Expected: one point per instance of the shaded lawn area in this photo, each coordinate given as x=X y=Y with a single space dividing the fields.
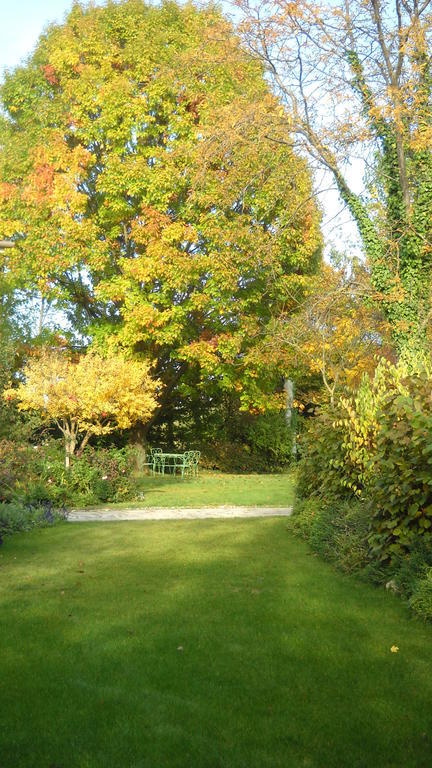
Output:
x=202 y=644
x=212 y=489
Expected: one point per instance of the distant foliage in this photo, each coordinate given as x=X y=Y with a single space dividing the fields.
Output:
x=245 y=443
x=329 y=338
x=272 y=438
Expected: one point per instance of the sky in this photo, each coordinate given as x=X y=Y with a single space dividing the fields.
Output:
x=21 y=23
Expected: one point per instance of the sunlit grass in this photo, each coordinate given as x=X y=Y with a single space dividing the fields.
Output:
x=202 y=644
x=212 y=489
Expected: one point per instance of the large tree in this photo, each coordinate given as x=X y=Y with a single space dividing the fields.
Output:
x=142 y=195
x=356 y=79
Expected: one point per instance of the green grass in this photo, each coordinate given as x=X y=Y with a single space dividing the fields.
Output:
x=202 y=644
x=210 y=489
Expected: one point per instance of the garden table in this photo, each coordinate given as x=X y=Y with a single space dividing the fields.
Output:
x=162 y=461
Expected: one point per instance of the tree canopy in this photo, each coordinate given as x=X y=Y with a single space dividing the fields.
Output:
x=144 y=196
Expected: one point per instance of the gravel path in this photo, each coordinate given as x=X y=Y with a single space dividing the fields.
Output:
x=159 y=513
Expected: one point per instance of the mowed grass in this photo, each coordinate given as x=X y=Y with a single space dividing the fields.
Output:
x=203 y=644
x=212 y=489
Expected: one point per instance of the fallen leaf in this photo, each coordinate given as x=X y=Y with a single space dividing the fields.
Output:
x=394 y=649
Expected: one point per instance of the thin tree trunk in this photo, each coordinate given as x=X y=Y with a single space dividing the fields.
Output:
x=70 y=444
x=84 y=442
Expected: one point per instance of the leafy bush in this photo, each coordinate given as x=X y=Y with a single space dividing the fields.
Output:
x=100 y=475
x=410 y=567
x=270 y=437
x=336 y=531
x=304 y=515
x=226 y=456
x=377 y=445
x=401 y=488
x=15 y=464
x=421 y=600
x=322 y=453
x=339 y=444
x=365 y=482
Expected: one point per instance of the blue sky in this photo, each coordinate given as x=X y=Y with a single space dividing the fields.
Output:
x=21 y=22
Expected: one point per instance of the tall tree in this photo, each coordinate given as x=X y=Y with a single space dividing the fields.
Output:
x=356 y=78
x=143 y=195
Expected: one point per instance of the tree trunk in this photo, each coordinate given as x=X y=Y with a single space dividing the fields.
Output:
x=138 y=442
x=70 y=445
x=84 y=442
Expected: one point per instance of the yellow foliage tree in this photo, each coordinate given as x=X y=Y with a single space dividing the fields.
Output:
x=91 y=396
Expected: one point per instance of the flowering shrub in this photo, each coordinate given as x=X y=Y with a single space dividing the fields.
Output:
x=100 y=475
x=17 y=516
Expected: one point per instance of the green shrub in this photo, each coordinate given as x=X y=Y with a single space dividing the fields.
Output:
x=337 y=531
x=225 y=456
x=377 y=445
x=366 y=482
x=421 y=600
x=99 y=475
x=16 y=516
x=15 y=466
x=338 y=446
x=304 y=514
x=322 y=454
x=32 y=492
x=271 y=438
x=411 y=566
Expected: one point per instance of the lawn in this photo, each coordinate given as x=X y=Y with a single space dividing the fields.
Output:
x=213 y=488
x=203 y=644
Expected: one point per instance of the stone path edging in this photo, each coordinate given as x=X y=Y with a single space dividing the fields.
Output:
x=160 y=513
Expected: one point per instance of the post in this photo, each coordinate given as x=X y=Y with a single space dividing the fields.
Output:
x=289 y=412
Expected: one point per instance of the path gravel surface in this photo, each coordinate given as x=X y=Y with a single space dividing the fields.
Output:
x=160 y=513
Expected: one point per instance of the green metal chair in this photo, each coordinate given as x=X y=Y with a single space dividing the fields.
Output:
x=148 y=458
x=158 y=461
x=185 y=463
x=196 y=455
